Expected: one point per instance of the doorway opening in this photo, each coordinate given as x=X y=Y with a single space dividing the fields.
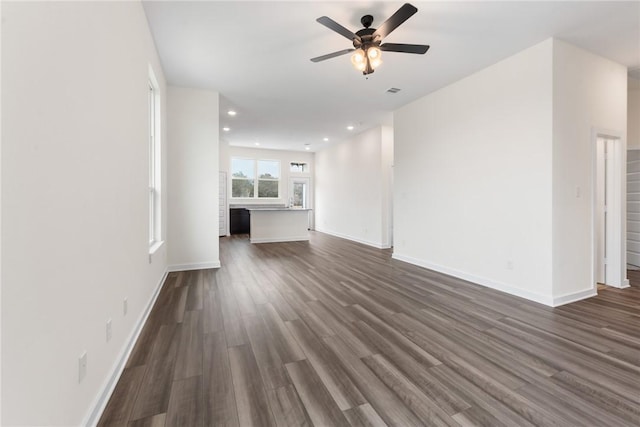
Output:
x=609 y=239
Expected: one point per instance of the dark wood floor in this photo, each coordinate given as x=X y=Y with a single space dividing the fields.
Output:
x=333 y=333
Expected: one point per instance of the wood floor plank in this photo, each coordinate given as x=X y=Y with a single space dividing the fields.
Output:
x=600 y=397
x=478 y=399
x=419 y=374
x=141 y=352
x=392 y=340
x=364 y=416
x=189 y=352
x=186 y=404
x=167 y=342
x=245 y=302
x=154 y=392
x=251 y=399
x=119 y=408
x=212 y=312
x=196 y=292
x=287 y=408
x=158 y=420
x=342 y=327
x=382 y=399
x=285 y=344
x=267 y=357
x=322 y=409
x=418 y=402
x=327 y=367
x=220 y=402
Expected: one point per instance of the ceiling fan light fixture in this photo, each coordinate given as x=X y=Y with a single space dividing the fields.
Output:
x=374 y=53
x=358 y=59
x=375 y=63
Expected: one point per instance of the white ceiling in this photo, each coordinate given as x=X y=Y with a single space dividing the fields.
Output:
x=256 y=55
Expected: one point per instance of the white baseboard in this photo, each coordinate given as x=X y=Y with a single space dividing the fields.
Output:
x=354 y=239
x=194 y=266
x=289 y=239
x=573 y=297
x=531 y=296
x=100 y=402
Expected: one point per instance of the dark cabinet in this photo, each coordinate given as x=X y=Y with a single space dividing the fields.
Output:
x=239 y=221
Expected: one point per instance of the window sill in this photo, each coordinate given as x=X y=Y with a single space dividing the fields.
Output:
x=154 y=248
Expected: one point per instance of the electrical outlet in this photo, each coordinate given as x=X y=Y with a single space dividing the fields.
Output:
x=82 y=367
x=108 y=330
x=125 y=306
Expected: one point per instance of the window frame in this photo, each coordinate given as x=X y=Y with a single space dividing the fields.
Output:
x=155 y=163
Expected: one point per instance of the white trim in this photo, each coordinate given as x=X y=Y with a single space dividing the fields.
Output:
x=155 y=246
x=280 y=240
x=194 y=266
x=542 y=299
x=101 y=400
x=354 y=239
x=573 y=297
x=625 y=284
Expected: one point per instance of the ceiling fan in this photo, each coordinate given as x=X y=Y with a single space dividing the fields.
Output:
x=367 y=42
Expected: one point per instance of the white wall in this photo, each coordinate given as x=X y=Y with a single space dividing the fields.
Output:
x=472 y=177
x=353 y=185
x=74 y=201
x=633 y=114
x=193 y=178
x=589 y=93
x=285 y=157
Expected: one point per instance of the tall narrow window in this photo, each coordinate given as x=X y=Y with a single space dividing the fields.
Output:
x=154 y=163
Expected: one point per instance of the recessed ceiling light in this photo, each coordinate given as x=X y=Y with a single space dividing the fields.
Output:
x=226 y=129
x=325 y=139
x=231 y=113
x=257 y=143
x=349 y=127
x=307 y=148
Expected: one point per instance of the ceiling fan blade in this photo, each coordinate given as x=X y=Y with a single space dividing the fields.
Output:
x=401 y=15
x=333 y=25
x=406 y=48
x=331 y=55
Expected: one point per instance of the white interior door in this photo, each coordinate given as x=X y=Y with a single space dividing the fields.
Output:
x=609 y=263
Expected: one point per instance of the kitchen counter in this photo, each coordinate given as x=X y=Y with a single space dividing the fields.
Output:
x=278 y=224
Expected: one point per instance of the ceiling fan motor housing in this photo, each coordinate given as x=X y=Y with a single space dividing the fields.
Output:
x=366 y=39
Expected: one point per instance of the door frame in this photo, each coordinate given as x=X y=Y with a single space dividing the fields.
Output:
x=616 y=211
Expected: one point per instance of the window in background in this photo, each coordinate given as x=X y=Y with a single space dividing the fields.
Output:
x=299 y=167
x=242 y=177
x=268 y=178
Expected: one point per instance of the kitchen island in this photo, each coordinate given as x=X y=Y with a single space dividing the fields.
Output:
x=278 y=224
